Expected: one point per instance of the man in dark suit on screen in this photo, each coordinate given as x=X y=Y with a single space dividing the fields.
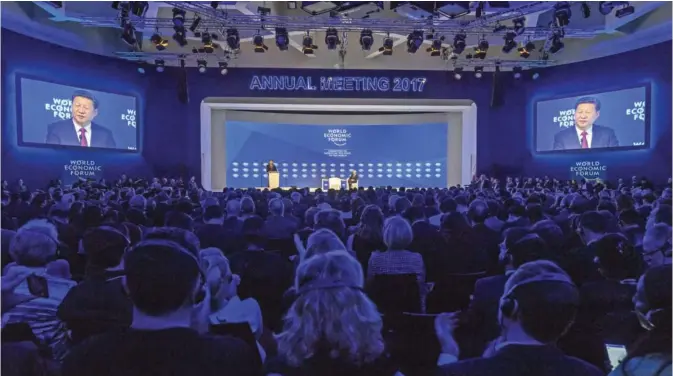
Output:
x=80 y=130
x=585 y=134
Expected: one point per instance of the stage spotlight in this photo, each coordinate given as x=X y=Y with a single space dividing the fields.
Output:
x=223 y=67
x=282 y=38
x=139 y=8
x=160 y=65
x=510 y=43
x=159 y=42
x=387 y=47
x=517 y=72
x=458 y=73
x=233 y=40
x=195 y=24
x=202 y=64
x=459 y=43
x=436 y=48
x=586 y=9
x=525 y=50
x=258 y=43
x=478 y=72
x=535 y=76
x=366 y=39
x=307 y=46
x=129 y=35
x=605 y=7
x=562 y=13
x=178 y=17
x=519 y=25
x=625 y=11
x=481 y=49
x=332 y=38
x=180 y=35
x=208 y=46
x=556 y=44
x=414 y=41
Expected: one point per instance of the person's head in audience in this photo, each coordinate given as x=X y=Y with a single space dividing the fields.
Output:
x=371 y=224
x=652 y=303
x=551 y=233
x=616 y=258
x=448 y=205
x=660 y=214
x=104 y=248
x=591 y=227
x=418 y=200
x=185 y=239
x=162 y=280
x=287 y=207
x=402 y=204
x=138 y=202
x=309 y=216
x=657 y=245
x=179 y=219
x=247 y=206
x=213 y=215
x=397 y=233
x=322 y=241
x=252 y=232
x=233 y=208
x=539 y=304
x=331 y=220
x=455 y=226
x=415 y=214
x=509 y=237
x=35 y=244
x=276 y=207
x=478 y=212
x=219 y=277
x=528 y=248
x=332 y=317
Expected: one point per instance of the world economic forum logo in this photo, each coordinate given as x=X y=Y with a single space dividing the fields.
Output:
x=338 y=137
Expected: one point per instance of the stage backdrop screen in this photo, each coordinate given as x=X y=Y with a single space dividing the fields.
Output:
x=396 y=155
x=59 y=116
x=609 y=120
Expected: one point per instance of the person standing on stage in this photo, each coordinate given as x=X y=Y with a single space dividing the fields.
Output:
x=352 y=179
x=271 y=167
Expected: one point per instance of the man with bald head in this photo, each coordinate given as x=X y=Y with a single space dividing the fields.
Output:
x=277 y=226
x=484 y=237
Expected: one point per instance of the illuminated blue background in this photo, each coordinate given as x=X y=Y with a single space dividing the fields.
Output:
x=170 y=142
x=420 y=149
x=613 y=114
x=35 y=117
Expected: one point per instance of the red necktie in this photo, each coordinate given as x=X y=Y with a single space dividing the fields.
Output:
x=82 y=138
x=585 y=143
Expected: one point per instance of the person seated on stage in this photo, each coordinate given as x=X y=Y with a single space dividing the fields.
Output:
x=352 y=179
x=270 y=167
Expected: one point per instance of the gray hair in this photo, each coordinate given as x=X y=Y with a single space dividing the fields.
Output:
x=397 y=233
x=34 y=244
x=276 y=207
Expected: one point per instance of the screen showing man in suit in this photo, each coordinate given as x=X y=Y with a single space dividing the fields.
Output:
x=614 y=120
x=65 y=116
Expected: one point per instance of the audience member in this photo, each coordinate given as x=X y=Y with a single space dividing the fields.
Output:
x=396 y=259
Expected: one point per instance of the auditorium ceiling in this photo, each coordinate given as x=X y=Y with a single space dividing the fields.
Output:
x=93 y=27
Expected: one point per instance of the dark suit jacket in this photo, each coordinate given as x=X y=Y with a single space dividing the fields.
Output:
x=482 y=314
x=279 y=227
x=521 y=360
x=271 y=168
x=602 y=137
x=63 y=133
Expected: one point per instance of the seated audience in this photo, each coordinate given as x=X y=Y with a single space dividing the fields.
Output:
x=332 y=328
x=33 y=246
x=650 y=355
x=163 y=280
x=277 y=226
x=368 y=236
x=396 y=259
x=657 y=245
x=537 y=307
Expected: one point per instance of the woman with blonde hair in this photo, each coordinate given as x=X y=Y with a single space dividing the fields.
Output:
x=332 y=328
x=322 y=241
x=226 y=306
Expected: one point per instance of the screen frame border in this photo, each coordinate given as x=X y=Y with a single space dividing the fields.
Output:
x=648 y=109
x=19 y=116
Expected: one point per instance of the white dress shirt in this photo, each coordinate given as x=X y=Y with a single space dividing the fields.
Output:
x=87 y=134
x=589 y=135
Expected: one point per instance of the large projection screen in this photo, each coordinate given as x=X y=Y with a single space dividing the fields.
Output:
x=459 y=135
